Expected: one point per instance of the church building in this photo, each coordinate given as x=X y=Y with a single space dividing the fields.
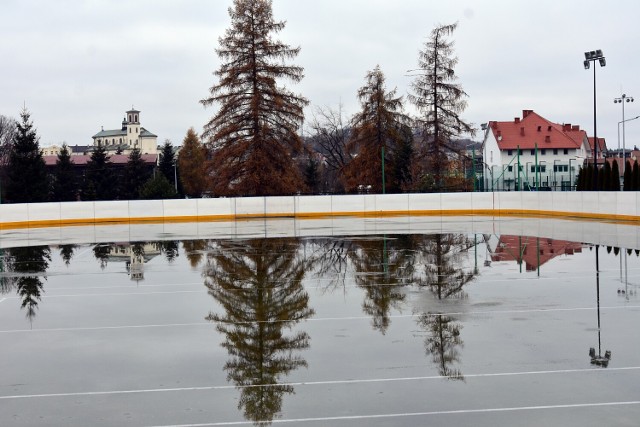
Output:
x=131 y=135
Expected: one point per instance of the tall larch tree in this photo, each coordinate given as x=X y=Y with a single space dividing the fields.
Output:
x=439 y=101
x=26 y=173
x=375 y=135
x=254 y=133
x=192 y=165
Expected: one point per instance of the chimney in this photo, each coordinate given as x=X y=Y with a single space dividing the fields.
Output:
x=566 y=127
x=575 y=127
x=525 y=113
x=522 y=131
x=517 y=120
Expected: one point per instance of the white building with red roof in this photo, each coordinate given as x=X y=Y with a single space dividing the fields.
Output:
x=549 y=154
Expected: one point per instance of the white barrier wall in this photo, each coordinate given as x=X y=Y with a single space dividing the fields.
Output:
x=595 y=205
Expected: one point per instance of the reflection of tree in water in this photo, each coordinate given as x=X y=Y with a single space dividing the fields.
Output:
x=101 y=253
x=259 y=285
x=169 y=248
x=194 y=251
x=442 y=255
x=445 y=275
x=66 y=253
x=443 y=343
x=27 y=265
x=382 y=267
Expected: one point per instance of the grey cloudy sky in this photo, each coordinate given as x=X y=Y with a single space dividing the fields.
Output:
x=79 y=65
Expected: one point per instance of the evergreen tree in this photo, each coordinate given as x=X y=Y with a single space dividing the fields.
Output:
x=375 y=134
x=254 y=133
x=26 y=173
x=134 y=177
x=604 y=182
x=192 y=165
x=601 y=174
x=635 y=177
x=628 y=174
x=402 y=161
x=439 y=101
x=615 y=176
x=311 y=174
x=98 y=179
x=158 y=187
x=580 y=179
x=588 y=179
x=65 y=184
x=167 y=162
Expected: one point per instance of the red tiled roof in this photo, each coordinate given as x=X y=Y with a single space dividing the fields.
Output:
x=534 y=129
x=117 y=159
x=533 y=251
x=602 y=145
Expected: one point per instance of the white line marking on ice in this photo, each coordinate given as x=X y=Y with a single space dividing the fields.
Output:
x=413 y=414
x=312 y=383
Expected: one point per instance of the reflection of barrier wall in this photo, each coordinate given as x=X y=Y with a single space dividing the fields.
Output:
x=619 y=206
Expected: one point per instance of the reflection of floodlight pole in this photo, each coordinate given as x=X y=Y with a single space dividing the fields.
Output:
x=599 y=359
x=593 y=56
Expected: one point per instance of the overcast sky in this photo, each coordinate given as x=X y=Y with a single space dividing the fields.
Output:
x=79 y=65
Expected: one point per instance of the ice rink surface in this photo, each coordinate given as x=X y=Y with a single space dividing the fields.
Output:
x=371 y=329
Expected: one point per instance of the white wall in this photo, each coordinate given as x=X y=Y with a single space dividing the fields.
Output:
x=593 y=205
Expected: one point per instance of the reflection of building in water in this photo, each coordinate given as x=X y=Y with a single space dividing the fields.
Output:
x=532 y=251
x=135 y=256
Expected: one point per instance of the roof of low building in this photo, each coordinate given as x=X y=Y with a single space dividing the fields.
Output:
x=116 y=159
x=122 y=132
x=533 y=129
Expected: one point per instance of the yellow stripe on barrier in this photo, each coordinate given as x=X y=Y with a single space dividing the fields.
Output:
x=317 y=215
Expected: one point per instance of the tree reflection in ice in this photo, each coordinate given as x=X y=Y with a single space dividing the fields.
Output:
x=259 y=285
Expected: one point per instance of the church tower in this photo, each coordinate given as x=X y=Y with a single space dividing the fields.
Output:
x=133 y=128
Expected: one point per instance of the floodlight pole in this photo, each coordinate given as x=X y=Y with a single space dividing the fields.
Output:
x=594 y=56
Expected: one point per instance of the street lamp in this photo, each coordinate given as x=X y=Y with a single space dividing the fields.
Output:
x=593 y=56
x=624 y=98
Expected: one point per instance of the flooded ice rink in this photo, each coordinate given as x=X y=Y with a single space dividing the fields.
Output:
x=396 y=322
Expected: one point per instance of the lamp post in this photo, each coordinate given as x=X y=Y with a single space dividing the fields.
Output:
x=624 y=151
x=593 y=56
x=624 y=98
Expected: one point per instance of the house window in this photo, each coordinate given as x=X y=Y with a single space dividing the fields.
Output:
x=510 y=169
x=543 y=151
x=533 y=152
x=555 y=151
x=491 y=156
x=509 y=152
x=566 y=151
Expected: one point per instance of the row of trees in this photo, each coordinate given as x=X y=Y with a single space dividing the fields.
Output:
x=253 y=139
x=24 y=177
x=608 y=177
